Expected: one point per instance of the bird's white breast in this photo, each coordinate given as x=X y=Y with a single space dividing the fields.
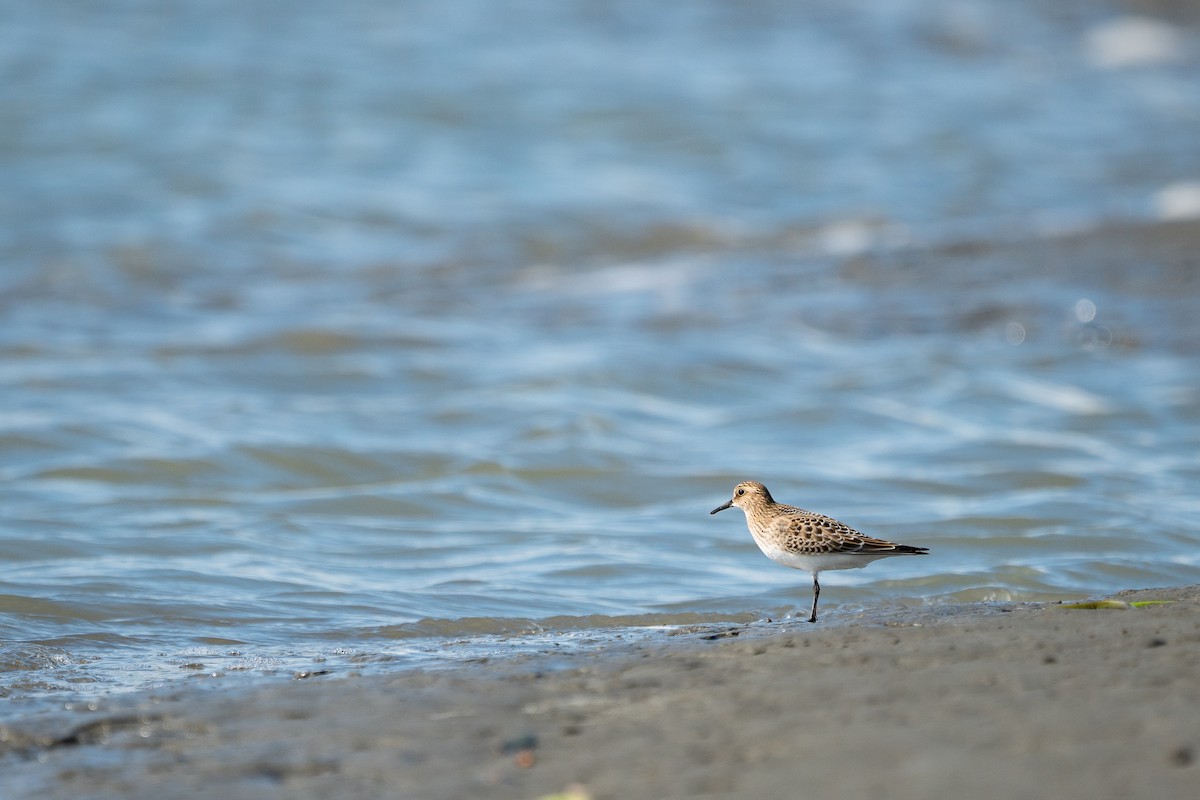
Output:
x=814 y=562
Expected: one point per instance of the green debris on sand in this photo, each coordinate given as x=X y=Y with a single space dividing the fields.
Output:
x=1116 y=604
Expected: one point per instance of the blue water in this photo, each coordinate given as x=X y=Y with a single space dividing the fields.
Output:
x=363 y=335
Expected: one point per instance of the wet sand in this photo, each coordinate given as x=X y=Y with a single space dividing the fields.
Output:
x=982 y=700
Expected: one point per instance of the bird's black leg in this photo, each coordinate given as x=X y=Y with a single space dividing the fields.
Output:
x=816 y=594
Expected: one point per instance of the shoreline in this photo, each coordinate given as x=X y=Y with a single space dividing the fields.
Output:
x=986 y=700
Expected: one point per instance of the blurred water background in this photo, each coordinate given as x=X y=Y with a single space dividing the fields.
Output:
x=348 y=335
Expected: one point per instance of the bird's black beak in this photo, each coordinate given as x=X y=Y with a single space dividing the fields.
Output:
x=721 y=508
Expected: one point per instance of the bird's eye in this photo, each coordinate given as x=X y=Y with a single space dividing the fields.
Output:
x=741 y=492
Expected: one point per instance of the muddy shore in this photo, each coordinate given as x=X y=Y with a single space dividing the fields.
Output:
x=980 y=700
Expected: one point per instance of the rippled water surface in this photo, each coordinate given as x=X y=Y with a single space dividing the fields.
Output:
x=359 y=335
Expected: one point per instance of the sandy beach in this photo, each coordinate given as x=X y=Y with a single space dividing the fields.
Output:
x=980 y=700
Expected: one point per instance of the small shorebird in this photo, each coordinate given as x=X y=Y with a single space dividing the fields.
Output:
x=803 y=540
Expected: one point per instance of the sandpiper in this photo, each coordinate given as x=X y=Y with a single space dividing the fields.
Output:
x=803 y=540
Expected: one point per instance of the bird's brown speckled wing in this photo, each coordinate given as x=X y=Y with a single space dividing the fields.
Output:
x=800 y=531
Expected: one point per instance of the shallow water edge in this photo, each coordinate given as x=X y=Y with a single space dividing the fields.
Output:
x=535 y=725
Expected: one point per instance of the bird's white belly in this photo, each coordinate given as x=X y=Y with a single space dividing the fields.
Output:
x=815 y=562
